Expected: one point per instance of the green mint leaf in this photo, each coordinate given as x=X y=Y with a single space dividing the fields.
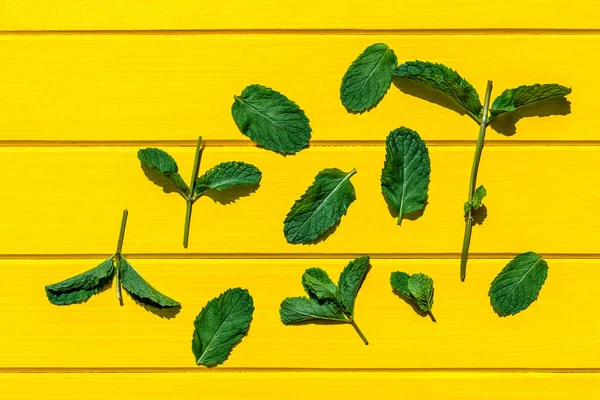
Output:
x=524 y=95
x=405 y=174
x=518 y=284
x=350 y=281
x=320 y=207
x=299 y=309
x=368 y=78
x=318 y=285
x=162 y=162
x=271 y=119
x=478 y=196
x=420 y=287
x=220 y=325
x=141 y=290
x=443 y=79
x=227 y=175
x=399 y=281
x=83 y=286
x=417 y=288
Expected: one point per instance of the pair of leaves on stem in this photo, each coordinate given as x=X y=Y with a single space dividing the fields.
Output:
x=220 y=325
x=81 y=287
x=327 y=301
x=518 y=284
x=271 y=119
x=223 y=176
x=417 y=288
x=370 y=75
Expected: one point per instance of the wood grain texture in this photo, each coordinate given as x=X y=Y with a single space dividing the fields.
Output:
x=295 y=14
x=294 y=385
x=175 y=87
x=558 y=331
x=69 y=201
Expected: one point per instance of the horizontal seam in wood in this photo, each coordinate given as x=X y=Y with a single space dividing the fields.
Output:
x=301 y=31
x=292 y=256
x=295 y=370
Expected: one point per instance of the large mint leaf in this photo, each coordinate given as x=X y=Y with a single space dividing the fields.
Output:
x=368 y=77
x=141 y=290
x=443 y=79
x=320 y=207
x=511 y=99
x=318 y=285
x=220 y=325
x=271 y=119
x=518 y=284
x=350 y=281
x=405 y=174
x=299 y=309
x=227 y=175
x=162 y=162
x=83 y=286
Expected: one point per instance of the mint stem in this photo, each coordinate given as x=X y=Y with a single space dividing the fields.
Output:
x=472 y=184
x=353 y=323
x=190 y=199
x=118 y=254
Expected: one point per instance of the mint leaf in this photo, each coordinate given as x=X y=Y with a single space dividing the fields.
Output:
x=418 y=288
x=141 y=290
x=323 y=204
x=318 y=285
x=227 y=175
x=327 y=301
x=511 y=99
x=518 y=284
x=350 y=281
x=220 y=325
x=368 y=77
x=161 y=162
x=83 y=286
x=271 y=119
x=445 y=80
x=405 y=174
x=299 y=309
x=478 y=196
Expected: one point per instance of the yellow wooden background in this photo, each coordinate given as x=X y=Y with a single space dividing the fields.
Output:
x=84 y=84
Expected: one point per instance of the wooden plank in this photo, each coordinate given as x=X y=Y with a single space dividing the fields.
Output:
x=559 y=331
x=295 y=385
x=174 y=87
x=69 y=201
x=295 y=14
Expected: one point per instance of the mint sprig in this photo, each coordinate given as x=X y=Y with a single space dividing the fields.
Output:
x=223 y=176
x=81 y=287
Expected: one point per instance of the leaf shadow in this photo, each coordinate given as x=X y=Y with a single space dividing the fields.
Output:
x=428 y=94
x=159 y=179
x=414 y=306
x=410 y=216
x=505 y=124
x=162 y=312
x=231 y=195
x=480 y=215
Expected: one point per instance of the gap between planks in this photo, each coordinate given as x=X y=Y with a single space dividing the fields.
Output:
x=333 y=31
x=218 y=370
x=313 y=143
x=294 y=256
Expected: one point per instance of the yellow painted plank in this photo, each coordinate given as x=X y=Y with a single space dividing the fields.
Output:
x=294 y=385
x=174 y=87
x=295 y=14
x=69 y=201
x=560 y=330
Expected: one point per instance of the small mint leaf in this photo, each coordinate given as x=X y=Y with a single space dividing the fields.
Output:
x=140 y=289
x=318 y=285
x=162 y=162
x=511 y=99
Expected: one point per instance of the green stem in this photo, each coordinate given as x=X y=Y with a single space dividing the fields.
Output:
x=118 y=254
x=353 y=323
x=190 y=199
x=473 y=182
